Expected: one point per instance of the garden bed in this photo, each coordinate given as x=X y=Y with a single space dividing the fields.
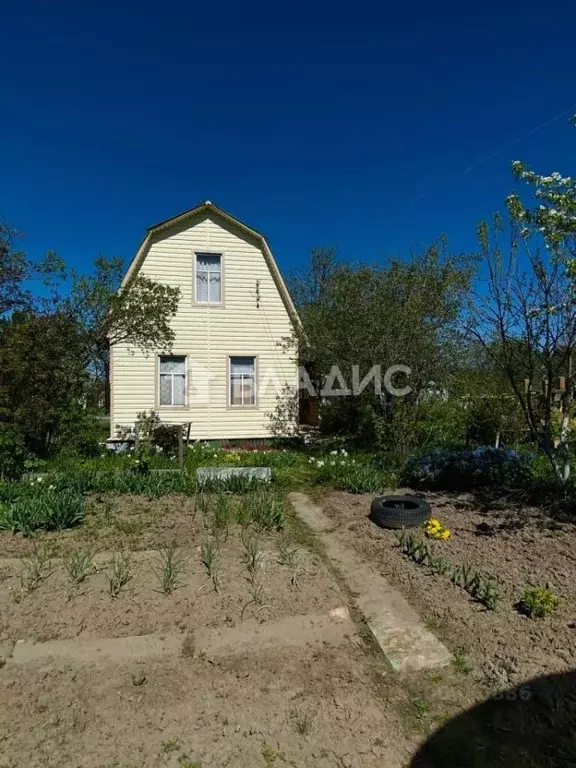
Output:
x=294 y=579
x=513 y=546
x=307 y=698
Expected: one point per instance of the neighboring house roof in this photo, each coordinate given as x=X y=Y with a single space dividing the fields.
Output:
x=208 y=207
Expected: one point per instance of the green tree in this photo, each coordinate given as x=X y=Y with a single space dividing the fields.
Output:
x=524 y=311
x=137 y=313
x=57 y=329
x=17 y=273
x=42 y=376
x=395 y=313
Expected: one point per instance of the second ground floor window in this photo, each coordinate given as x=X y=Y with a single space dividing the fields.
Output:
x=172 y=385
x=242 y=381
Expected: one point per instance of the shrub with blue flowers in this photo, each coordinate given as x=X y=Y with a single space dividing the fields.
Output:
x=484 y=467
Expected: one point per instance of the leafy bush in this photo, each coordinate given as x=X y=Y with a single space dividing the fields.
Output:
x=464 y=470
x=148 y=422
x=140 y=465
x=82 y=432
x=13 y=453
x=166 y=437
x=434 y=421
x=538 y=602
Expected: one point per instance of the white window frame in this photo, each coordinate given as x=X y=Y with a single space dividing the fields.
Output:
x=197 y=255
x=172 y=376
x=254 y=376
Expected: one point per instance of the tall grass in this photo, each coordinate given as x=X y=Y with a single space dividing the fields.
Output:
x=263 y=509
x=345 y=474
x=52 y=510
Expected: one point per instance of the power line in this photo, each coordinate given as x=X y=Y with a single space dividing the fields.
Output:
x=492 y=155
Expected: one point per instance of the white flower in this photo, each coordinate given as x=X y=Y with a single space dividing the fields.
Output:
x=332 y=463
x=343 y=452
x=51 y=487
x=333 y=453
x=38 y=479
x=320 y=462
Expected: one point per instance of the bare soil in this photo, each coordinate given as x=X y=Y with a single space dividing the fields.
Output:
x=327 y=703
x=57 y=609
x=304 y=708
x=516 y=546
x=318 y=705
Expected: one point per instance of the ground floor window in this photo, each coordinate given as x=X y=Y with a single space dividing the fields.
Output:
x=242 y=381
x=172 y=385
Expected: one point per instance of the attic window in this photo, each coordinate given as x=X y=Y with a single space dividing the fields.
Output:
x=208 y=278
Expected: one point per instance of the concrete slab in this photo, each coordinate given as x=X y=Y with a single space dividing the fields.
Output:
x=224 y=473
x=89 y=650
x=292 y=631
x=247 y=637
x=406 y=643
x=310 y=513
x=6 y=648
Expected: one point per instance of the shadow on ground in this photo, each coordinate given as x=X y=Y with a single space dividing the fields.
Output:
x=546 y=508
x=533 y=726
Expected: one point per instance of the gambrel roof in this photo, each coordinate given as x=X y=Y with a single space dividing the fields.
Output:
x=208 y=207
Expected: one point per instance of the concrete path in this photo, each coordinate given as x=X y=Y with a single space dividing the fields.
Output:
x=403 y=638
x=312 y=630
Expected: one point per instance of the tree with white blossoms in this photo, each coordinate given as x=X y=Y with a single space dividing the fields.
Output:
x=524 y=310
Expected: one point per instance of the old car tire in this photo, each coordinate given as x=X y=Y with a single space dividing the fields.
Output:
x=399 y=511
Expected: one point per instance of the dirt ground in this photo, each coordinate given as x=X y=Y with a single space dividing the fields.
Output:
x=286 y=707
x=318 y=704
x=56 y=609
x=312 y=698
x=515 y=546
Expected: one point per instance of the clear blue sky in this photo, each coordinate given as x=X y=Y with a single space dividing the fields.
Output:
x=316 y=123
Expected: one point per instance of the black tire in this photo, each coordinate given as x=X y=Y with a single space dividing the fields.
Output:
x=399 y=511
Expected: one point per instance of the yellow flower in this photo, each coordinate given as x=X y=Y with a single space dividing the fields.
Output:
x=436 y=530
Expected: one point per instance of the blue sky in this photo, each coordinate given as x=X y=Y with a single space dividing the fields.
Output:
x=316 y=123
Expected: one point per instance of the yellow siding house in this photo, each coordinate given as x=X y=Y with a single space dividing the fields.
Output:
x=227 y=364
